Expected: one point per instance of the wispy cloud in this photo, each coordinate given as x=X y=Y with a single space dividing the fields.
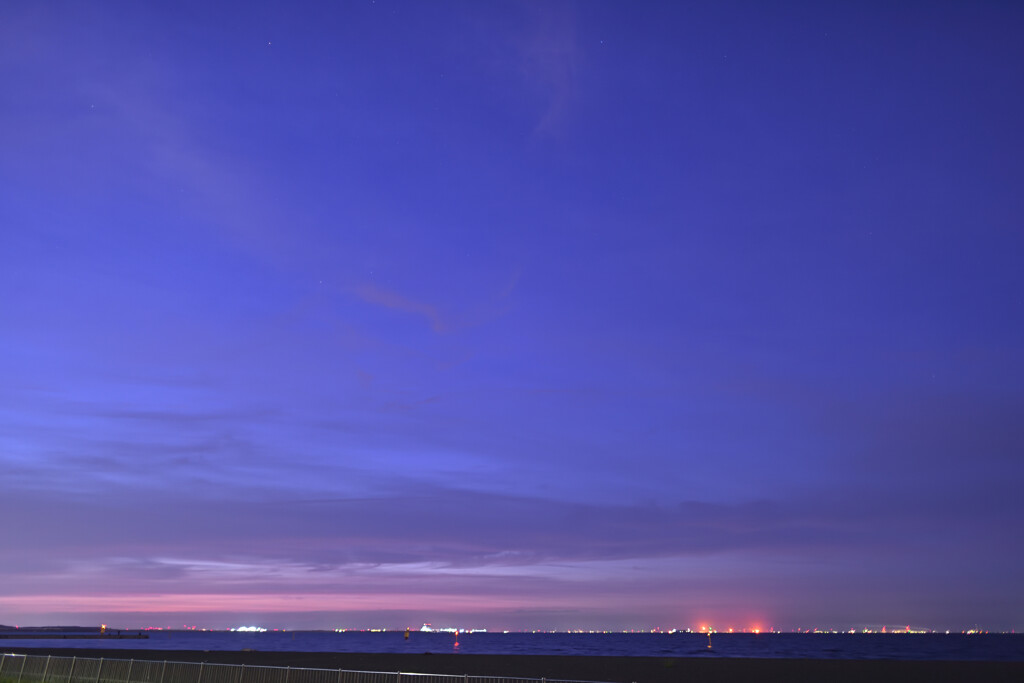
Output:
x=550 y=61
x=372 y=294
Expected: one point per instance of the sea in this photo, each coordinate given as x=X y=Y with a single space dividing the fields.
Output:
x=900 y=646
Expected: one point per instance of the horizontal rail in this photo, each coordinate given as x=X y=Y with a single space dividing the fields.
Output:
x=20 y=668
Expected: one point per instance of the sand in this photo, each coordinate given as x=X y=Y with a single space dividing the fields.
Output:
x=615 y=669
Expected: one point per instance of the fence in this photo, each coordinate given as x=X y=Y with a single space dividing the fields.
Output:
x=16 y=668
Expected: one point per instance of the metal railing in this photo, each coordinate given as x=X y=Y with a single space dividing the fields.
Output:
x=18 y=668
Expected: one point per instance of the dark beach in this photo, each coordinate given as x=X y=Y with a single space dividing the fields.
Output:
x=613 y=669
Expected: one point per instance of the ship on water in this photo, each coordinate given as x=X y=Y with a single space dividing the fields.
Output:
x=427 y=628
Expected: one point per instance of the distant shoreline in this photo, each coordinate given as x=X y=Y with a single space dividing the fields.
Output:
x=610 y=668
x=46 y=635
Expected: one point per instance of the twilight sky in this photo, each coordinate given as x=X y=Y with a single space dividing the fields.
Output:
x=512 y=315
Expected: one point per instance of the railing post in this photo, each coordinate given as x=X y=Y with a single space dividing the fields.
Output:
x=128 y=678
x=46 y=668
x=339 y=675
x=287 y=673
x=71 y=674
x=241 y=673
x=163 y=670
x=22 y=670
x=99 y=671
x=200 y=679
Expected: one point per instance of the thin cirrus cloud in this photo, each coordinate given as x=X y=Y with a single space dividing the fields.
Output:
x=443 y=542
x=374 y=295
x=427 y=524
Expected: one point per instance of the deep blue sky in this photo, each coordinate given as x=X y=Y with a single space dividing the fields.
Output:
x=537 y=315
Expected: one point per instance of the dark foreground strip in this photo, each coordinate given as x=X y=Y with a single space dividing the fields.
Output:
x=619 y=669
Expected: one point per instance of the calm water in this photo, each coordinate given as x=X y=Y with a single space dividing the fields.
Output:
x=994 y=647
